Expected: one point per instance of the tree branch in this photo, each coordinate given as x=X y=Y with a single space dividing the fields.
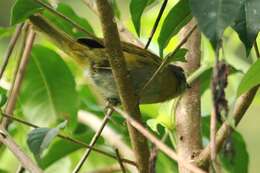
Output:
x=128 y=98
x=159 y=144
x=188 y=114
x=26 y=161
x=10 y=49
x=240 y=108
x=11 y=102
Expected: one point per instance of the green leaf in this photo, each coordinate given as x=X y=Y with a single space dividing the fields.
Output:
x=250 y=79
x=215 y=16
x=237 y=159
x=34 y=140
x=178 y=56
x=40 y=138
x=88 y=100
x=115 y=8
x=22 y=9
x=246 y=24
x=65 y=25
x=166 y=164
x=48 y=90
x=178 y=17
x=153 y=124
x=3 y=171
x=6 y=32
x=136 y=9
x=61 y=148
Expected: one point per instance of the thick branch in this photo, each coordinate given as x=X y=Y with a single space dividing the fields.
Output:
x=26 y=161
x=128 y=98
x=188 y=112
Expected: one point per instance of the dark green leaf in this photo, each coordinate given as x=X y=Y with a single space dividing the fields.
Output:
x=178 y=17
x=236 y=160
x=250 y=79
x=65 y=25
x=34 y=140
x=215 y=16
x=3 y=171
x=178 y=56
x=40 y=138
x=48 y=90
x=136 y=9
x=22 y=9
x=247 y=25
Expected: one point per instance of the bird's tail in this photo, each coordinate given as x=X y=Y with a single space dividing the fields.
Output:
x=60 y=38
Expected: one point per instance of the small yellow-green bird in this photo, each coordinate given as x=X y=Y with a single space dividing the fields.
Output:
x=141 y=64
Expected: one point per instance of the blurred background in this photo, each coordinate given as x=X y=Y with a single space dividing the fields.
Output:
x=249 y=126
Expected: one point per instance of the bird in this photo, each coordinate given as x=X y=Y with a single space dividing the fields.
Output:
x=141 y=64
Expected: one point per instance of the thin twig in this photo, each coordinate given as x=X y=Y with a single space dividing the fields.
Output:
x=125 y=34
x=256 y=50
x=164 y=148
x=213 y=131
x=183 y=41
x=51 y=9
x=156 y=23
x=93 y=141
x=241 y=106
x=72 y=140
x=154 y=154
x=120 y=161
x=10 y=49
x=25 y=160
x=11 y=102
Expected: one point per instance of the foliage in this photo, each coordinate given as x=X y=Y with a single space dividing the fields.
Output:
x=53 y=91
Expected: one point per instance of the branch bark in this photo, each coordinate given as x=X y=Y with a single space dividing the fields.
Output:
x=128 y=98
x=11 y=102
x=26 y=161
x=188 y=112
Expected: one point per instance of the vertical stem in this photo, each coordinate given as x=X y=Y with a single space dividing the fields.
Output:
x=124 y=85
x=18 y=78
x=189 y=141
x=10 y=49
